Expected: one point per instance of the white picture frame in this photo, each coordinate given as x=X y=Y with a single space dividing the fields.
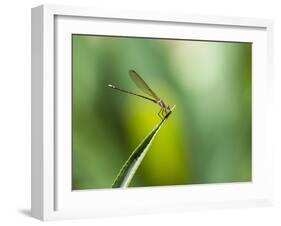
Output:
x=52 y=197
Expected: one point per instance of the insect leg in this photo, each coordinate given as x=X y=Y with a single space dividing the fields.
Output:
x=163 y=112
x=159 y=113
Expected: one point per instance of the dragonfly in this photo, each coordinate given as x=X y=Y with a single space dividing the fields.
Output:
x=142 y=85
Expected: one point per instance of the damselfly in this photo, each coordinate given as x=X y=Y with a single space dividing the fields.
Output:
x=141 y=84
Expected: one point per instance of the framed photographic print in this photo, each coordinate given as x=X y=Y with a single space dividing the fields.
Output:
x=136 y=112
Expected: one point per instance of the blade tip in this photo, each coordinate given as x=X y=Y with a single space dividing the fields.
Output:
x=111 y=86
x=173 y=107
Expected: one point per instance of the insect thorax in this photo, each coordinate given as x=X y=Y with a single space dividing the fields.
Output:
x=162 y=104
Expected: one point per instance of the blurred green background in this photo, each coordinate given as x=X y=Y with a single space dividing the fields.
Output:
x=207 y=139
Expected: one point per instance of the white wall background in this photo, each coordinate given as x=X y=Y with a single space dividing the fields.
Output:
x=15 y=112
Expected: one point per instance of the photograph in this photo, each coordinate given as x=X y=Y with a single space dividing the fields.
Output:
x=152 y=111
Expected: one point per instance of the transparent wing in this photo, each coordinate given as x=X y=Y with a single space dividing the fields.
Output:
x=141 y=84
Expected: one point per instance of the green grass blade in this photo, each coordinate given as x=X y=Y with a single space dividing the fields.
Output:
x=130 y=167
